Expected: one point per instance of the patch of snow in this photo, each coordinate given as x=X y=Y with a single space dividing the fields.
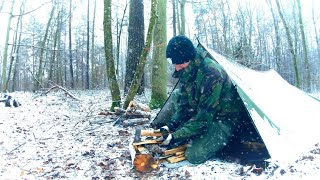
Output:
x=57 y=137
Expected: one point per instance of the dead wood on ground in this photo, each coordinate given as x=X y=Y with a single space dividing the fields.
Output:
x=63 y=89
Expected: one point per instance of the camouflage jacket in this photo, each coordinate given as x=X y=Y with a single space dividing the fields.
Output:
x=205 y=93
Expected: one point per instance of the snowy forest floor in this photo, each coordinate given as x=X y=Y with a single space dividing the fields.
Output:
x=56 y=137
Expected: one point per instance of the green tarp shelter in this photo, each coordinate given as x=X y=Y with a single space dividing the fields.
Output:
x=287 y=119
x=281 y=117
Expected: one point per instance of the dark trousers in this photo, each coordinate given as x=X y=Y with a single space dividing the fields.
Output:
x=212 y=140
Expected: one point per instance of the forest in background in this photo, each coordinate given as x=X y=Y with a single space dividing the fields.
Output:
x=90 y=44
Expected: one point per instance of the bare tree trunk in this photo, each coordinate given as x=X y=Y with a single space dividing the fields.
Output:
x=135 y=42
x=93 y=78
x=291 y=47
x=119 y=32
x=70 y=46
x=59 y=59
x=278 y=39
x=305 y=51
x=143 y=58
x=38 y=81
x=15 y=81
x=82 y=64
x=1 y=6
x=183 y=17
x=159 y=63
x=174 y=17
x=108 y=48
x=178 y=16
x=53 y=57
x=316 y=33
x=88 y=49
x=55 y=48
x=225 y=27
x=5 y=55
x=14 y=49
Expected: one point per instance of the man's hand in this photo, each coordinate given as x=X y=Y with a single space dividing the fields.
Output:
x=163 y=130
x=166 y=137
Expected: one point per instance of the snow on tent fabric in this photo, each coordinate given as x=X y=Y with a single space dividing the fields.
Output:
x=281 y=117
x=286 y=118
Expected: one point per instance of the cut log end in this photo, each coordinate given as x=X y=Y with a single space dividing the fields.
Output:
x=145 y=163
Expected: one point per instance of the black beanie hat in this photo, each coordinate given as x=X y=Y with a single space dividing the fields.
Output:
x=180 y=49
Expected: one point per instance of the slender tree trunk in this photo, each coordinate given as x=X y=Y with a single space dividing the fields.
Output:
x=108 y=48
x=159 y=63
x=52 y=62
x=174 y=17
x=82 y=63
x=55 y=49
x=5 y=55
x=291 y=47
x=143 y=58
x=59 y=58
x=15 y=49
x=70 y=46
x=1 y=5
x=178 y=16
x=88 y=49
x=38 y=81
x=119 y=32
x=225 y=26
x=316 y=33
x=305 y=50
x=278 y=39
x=183 y=17
x=15 y=81
x=93 y=78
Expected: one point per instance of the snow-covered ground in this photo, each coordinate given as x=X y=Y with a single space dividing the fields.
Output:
x=57 y=137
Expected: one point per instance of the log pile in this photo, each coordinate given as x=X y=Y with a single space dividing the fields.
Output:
x=142 y=149
x=135 y=115
x=145 y=159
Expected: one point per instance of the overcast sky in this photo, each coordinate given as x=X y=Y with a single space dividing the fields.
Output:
x=80 y=9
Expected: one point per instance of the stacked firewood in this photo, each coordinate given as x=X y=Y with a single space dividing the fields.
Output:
x=135 y=114
x=147 y=153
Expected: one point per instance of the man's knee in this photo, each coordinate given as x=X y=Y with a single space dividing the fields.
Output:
x=197 y=155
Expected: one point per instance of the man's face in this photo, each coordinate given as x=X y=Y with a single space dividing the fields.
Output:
x=182 y=66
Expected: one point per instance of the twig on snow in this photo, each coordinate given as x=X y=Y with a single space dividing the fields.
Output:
x=16 y=147
x=63 y=89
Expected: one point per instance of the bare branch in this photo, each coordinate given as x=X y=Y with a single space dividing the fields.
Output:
x=32 y=10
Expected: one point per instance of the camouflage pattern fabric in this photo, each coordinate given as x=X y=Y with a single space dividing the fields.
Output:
x=207 y=108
